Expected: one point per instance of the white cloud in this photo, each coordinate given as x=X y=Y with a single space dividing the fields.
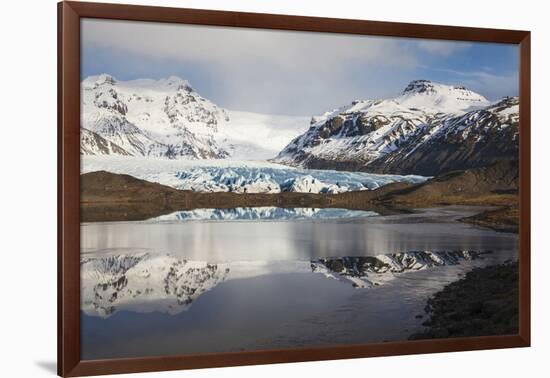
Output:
x=442 y=48
x=284 y=72
x=261 y=70
x=237 y=46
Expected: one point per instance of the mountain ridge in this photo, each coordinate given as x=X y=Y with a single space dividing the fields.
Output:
x=392 y=136
x=428 y=129
x=168 y=118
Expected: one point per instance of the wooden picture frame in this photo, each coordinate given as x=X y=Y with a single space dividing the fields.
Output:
x=69 y=16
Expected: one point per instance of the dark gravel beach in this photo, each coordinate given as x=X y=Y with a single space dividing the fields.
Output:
x=483 y=303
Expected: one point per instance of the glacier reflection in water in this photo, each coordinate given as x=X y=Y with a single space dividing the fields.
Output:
x=292 y=239
x=268 y=213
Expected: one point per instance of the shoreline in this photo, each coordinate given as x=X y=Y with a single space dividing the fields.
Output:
x=107 y=196
x=482 y=303
x=125 y=210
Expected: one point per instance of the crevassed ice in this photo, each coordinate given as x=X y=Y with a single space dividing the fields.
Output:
x=242 y=177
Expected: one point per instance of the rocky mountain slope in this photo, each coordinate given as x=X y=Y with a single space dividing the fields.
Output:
x=94 y=144
x=167 y=118
x=428 y=130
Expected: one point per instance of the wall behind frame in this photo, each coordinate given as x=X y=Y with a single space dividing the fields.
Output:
x=28 y=190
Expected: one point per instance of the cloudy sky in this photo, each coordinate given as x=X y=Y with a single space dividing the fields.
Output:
x=292 y=73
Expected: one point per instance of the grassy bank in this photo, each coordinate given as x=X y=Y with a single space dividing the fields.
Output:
x=503 y=219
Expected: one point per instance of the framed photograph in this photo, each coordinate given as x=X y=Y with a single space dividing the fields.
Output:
x=240 y=188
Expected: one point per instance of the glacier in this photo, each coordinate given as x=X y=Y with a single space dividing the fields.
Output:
x=240 y=176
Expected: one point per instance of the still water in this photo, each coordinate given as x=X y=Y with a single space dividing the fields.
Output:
x=213 y=280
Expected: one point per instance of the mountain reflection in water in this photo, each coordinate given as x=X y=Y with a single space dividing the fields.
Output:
x=163 y=283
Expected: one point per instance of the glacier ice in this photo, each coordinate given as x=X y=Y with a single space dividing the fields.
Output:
x=240 y=177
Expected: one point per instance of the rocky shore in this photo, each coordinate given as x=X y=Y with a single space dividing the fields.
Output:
x=483 y=303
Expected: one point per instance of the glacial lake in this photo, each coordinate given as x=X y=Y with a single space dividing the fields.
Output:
x=213 y=280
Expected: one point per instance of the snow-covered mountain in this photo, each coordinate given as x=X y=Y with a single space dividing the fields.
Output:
x=94 y=144
x=168 y=118
x=429 y=129
x=474 y=139
x=434 y=97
